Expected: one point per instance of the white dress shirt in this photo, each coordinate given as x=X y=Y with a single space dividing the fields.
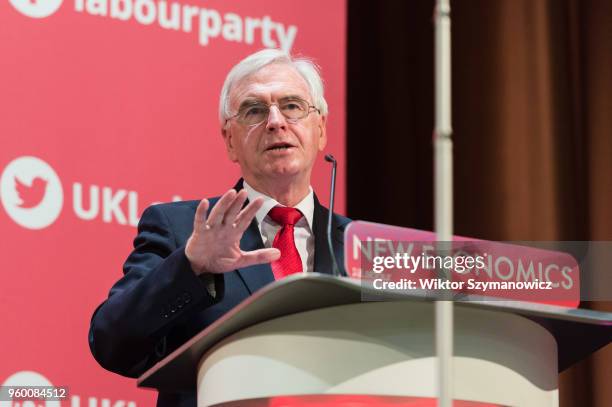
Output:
x=304 y=238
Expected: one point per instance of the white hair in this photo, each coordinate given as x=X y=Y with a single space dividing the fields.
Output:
x=254 y=62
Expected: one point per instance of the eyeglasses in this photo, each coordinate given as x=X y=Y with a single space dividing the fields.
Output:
x=252 y=113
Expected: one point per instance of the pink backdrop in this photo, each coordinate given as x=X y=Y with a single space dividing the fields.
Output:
x=119 y=110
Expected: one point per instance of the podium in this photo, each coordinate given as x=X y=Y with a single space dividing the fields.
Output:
x=312 y=334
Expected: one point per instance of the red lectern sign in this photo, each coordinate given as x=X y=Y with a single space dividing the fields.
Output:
x=404 y=260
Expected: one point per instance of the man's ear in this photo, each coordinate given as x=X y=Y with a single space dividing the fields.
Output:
x=322 y=132
x=229 y=145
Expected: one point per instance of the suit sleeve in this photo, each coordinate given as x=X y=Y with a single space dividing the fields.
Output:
x=158 y=289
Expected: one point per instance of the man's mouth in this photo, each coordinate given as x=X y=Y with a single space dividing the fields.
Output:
x=279 y=147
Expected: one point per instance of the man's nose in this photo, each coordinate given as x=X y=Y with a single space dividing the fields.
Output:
x=276 y=120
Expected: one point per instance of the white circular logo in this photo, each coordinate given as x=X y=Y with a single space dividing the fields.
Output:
x=28 y=378
x=36 y=8
x=31 y=192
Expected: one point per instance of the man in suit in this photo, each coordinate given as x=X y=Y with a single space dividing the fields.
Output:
x=194 y=261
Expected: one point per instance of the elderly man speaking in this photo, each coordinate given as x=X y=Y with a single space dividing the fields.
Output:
x=195 y=260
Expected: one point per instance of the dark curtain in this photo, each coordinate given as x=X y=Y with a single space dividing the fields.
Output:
x=532 y=119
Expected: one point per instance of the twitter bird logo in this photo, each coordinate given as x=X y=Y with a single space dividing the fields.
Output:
x=31 y=192
x=31 y=195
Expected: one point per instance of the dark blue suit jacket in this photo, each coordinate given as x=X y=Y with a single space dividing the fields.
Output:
x=160 y=303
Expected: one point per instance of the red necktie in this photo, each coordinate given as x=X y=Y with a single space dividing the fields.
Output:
x=290 y=261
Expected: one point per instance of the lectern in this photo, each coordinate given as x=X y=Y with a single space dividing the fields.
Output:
x=312 y=334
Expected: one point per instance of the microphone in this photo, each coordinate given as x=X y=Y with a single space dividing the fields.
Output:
x=332 y=193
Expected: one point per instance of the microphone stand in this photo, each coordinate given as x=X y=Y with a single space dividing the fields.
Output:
x=332 y=192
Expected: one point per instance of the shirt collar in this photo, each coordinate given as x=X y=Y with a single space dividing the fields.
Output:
x=306 y=205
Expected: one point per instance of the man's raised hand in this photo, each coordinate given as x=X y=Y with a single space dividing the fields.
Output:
x=214 y=245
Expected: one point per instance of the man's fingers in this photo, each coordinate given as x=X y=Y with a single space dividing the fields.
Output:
x=259 y=256
x=230 y=215
x=200 y=216
x=216 y=214
x=245 y=216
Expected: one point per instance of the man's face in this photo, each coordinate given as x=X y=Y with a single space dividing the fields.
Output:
x=256 y=148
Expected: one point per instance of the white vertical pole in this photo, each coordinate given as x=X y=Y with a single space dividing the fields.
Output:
x=443 y=191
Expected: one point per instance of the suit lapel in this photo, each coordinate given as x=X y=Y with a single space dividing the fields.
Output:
x=256 y=276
